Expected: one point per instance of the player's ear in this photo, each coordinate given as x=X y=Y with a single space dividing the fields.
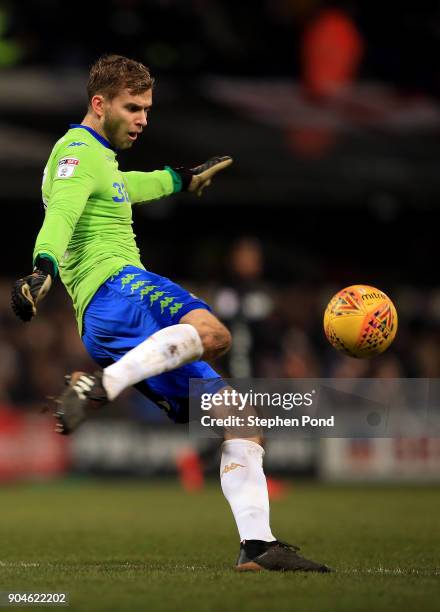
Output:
x=97 y=104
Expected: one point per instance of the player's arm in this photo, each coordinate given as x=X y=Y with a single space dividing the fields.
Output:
x=68 y=198
x=147 y=186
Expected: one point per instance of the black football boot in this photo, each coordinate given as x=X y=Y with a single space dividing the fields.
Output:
x=256 y=555
x=84 y=392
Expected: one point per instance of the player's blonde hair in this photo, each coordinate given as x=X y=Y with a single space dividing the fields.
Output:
x=112 y=73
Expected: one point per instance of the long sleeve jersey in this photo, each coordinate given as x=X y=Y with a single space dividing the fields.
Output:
x=87 y=230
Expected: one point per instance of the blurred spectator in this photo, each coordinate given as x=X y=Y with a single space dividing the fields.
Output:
x=245 y=303
x=331 y=54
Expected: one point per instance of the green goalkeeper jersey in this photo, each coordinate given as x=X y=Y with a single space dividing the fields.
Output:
x=87 y=230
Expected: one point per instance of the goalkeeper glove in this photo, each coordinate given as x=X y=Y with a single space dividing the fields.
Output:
x=27 y=292
x=196 y=179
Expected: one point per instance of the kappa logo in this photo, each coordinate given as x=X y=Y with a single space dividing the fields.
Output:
x=67 y=166
x=229 y=468
x=77 y=144
x=127 y=279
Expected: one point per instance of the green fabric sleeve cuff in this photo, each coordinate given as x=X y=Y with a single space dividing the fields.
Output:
x=177 y=179
x=50 y=258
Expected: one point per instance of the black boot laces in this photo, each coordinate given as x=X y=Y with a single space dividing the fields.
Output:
x=287 y=546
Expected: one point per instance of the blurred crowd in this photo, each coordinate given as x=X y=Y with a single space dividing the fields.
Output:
x=223 y=36
x=277 y=332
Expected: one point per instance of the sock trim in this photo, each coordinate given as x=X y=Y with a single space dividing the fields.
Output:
x=243 y=441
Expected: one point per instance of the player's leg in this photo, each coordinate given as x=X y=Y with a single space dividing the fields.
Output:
x=198 y=335
x=242 y=475
x=244 y=485
x=139 y=320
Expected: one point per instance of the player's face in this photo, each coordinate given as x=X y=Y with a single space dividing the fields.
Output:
x=125 y=116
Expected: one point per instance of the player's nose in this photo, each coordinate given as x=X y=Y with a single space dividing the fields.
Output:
x=142 y=120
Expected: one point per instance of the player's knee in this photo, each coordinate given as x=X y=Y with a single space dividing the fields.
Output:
x=216 y=340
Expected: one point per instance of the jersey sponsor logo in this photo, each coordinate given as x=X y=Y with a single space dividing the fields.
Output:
x=66 y=167
x=77 y=144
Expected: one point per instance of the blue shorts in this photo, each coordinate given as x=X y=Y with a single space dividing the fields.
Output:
x=128 y=308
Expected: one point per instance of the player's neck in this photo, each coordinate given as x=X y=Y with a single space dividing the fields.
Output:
x=91 y=122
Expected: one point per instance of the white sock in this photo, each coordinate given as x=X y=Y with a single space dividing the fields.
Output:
x=244 y=486
x=165 y=350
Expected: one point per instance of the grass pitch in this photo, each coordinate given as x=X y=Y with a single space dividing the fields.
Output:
x=141 y=546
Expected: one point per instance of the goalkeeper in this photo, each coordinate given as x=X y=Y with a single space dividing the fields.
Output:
x=141 y=328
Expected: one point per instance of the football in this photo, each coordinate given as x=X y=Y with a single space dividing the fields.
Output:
x=360 y=321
